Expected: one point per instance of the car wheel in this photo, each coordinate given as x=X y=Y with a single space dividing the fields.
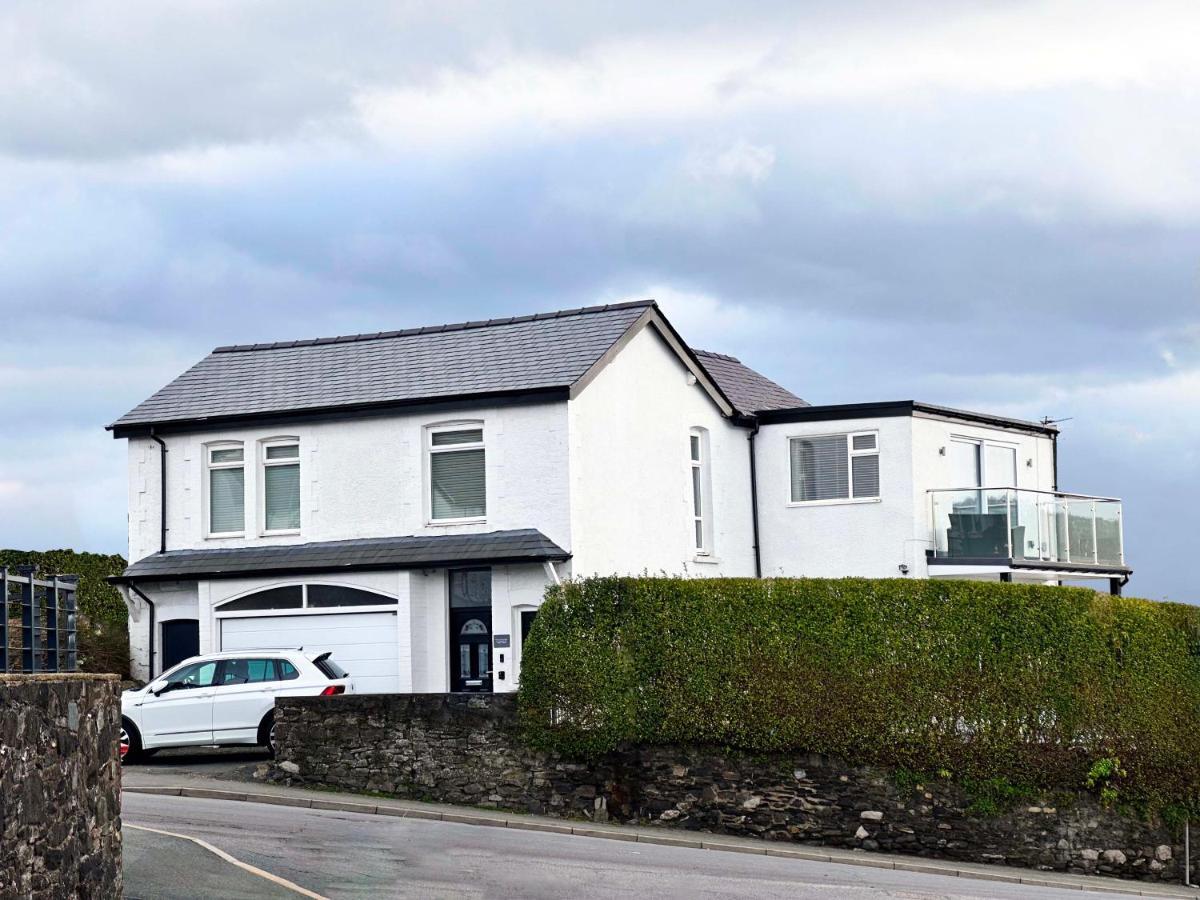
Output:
x=266 y=733
x=131 y=743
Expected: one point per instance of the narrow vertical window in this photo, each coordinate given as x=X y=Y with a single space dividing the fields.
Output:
x=457 y=473
x=281 y=486
x=226 y=490
x=701 y=492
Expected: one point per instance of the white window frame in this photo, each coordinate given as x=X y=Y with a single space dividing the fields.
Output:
x=700 y=469
x=263 y=465
x=303 y=609
x=850 y=454
x=206 y=498
x=982 y=443
x=430 y=450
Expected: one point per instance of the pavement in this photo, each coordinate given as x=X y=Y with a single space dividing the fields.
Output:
x=346 y=845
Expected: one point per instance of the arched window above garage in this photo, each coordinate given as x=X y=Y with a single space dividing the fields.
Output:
x=305 y=596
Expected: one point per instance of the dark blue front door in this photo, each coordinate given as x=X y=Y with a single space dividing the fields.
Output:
x=180 y=639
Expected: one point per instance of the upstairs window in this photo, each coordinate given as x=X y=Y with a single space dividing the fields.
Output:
x=226 y=490
x=281 y=486
x=457 y=476
x=701 y=494
x=835 y=467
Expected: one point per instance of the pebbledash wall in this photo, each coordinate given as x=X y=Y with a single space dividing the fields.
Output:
x=60 y=786
x=464 y=749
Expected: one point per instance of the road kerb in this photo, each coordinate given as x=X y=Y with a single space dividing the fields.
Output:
x=345 y=806
x=548 y=827
x=430 y=814
x=468 y=819
x=606 y=834
x=809 y=855
x=734 y=848
x=280 y=800
x=925 y=869
x=207 y=794
x=157 y=791
x=668 y=840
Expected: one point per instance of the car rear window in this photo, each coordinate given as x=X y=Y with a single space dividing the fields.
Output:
x=286 y=670
x=331 y=669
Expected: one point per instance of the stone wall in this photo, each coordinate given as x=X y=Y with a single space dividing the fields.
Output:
x=463 y=749
x=60 y=786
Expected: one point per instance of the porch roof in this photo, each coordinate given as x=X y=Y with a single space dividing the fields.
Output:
x=406 y=552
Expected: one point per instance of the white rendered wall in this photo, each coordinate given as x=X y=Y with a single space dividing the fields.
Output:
x=873 y=539
x=932 y=470
x=631 y=508
x=515 y=589
x=361 y=478
x=172 y=600
x=833 y=539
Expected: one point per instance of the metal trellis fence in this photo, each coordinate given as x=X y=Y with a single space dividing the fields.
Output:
x=37 y=625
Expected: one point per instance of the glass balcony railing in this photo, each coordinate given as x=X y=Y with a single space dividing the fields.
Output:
x=1024 y=525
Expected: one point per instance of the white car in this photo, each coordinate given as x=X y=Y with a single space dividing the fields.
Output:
x=224 y=699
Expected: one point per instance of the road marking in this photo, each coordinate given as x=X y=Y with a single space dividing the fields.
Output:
x=253 y=870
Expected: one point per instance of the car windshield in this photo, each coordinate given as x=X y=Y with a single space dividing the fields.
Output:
x=331 y=669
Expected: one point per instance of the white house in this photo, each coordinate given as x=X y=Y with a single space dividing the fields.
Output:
x=404 y=498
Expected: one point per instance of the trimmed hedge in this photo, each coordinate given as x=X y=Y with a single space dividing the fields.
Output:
x=103 y=623
x=1036 y=685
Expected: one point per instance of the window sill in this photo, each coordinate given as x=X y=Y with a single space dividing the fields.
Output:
x=706 y=560
x=850 y=501
x=280 y=533
x=434 y=523
x=224 y=535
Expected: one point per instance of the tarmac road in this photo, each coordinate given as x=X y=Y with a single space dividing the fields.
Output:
x=336 y=855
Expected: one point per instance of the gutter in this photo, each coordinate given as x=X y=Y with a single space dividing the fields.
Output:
x=162 y=484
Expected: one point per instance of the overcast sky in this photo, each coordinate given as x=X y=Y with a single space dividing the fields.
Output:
x=987 y=205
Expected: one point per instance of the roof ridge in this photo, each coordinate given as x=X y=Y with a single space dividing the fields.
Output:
x=716 y=355
x=434 y=329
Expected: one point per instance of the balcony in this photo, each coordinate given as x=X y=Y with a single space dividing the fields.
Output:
x=1026 y=529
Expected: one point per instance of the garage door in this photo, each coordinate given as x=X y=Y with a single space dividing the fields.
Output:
x=364 y=644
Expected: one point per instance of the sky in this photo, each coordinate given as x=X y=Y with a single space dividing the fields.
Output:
x=993 y=206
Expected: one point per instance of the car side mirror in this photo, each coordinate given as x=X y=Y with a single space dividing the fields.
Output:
x=159 y=689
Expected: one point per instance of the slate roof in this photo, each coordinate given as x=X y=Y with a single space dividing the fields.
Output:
x=514 y=355
x=749 y=391
x=413 y=552
x=484 y=359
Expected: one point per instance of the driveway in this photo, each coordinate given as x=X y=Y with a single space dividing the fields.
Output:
x=223 y=763
x=340 y=854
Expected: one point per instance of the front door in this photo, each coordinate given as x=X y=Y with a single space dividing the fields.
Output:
x=471 y=649
x=181 y=640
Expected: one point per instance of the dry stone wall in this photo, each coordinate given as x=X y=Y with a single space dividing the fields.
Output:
x=464 y=749
x=60 y=786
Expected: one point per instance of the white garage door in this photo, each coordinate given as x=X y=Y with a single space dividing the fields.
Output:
x=364 y=644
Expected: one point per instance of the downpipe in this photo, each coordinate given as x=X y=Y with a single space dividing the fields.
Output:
x=150 y=606
x=162 y=492
x=754 y=500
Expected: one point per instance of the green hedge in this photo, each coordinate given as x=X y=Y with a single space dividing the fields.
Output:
x=1036 y=685
x=102 y=625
